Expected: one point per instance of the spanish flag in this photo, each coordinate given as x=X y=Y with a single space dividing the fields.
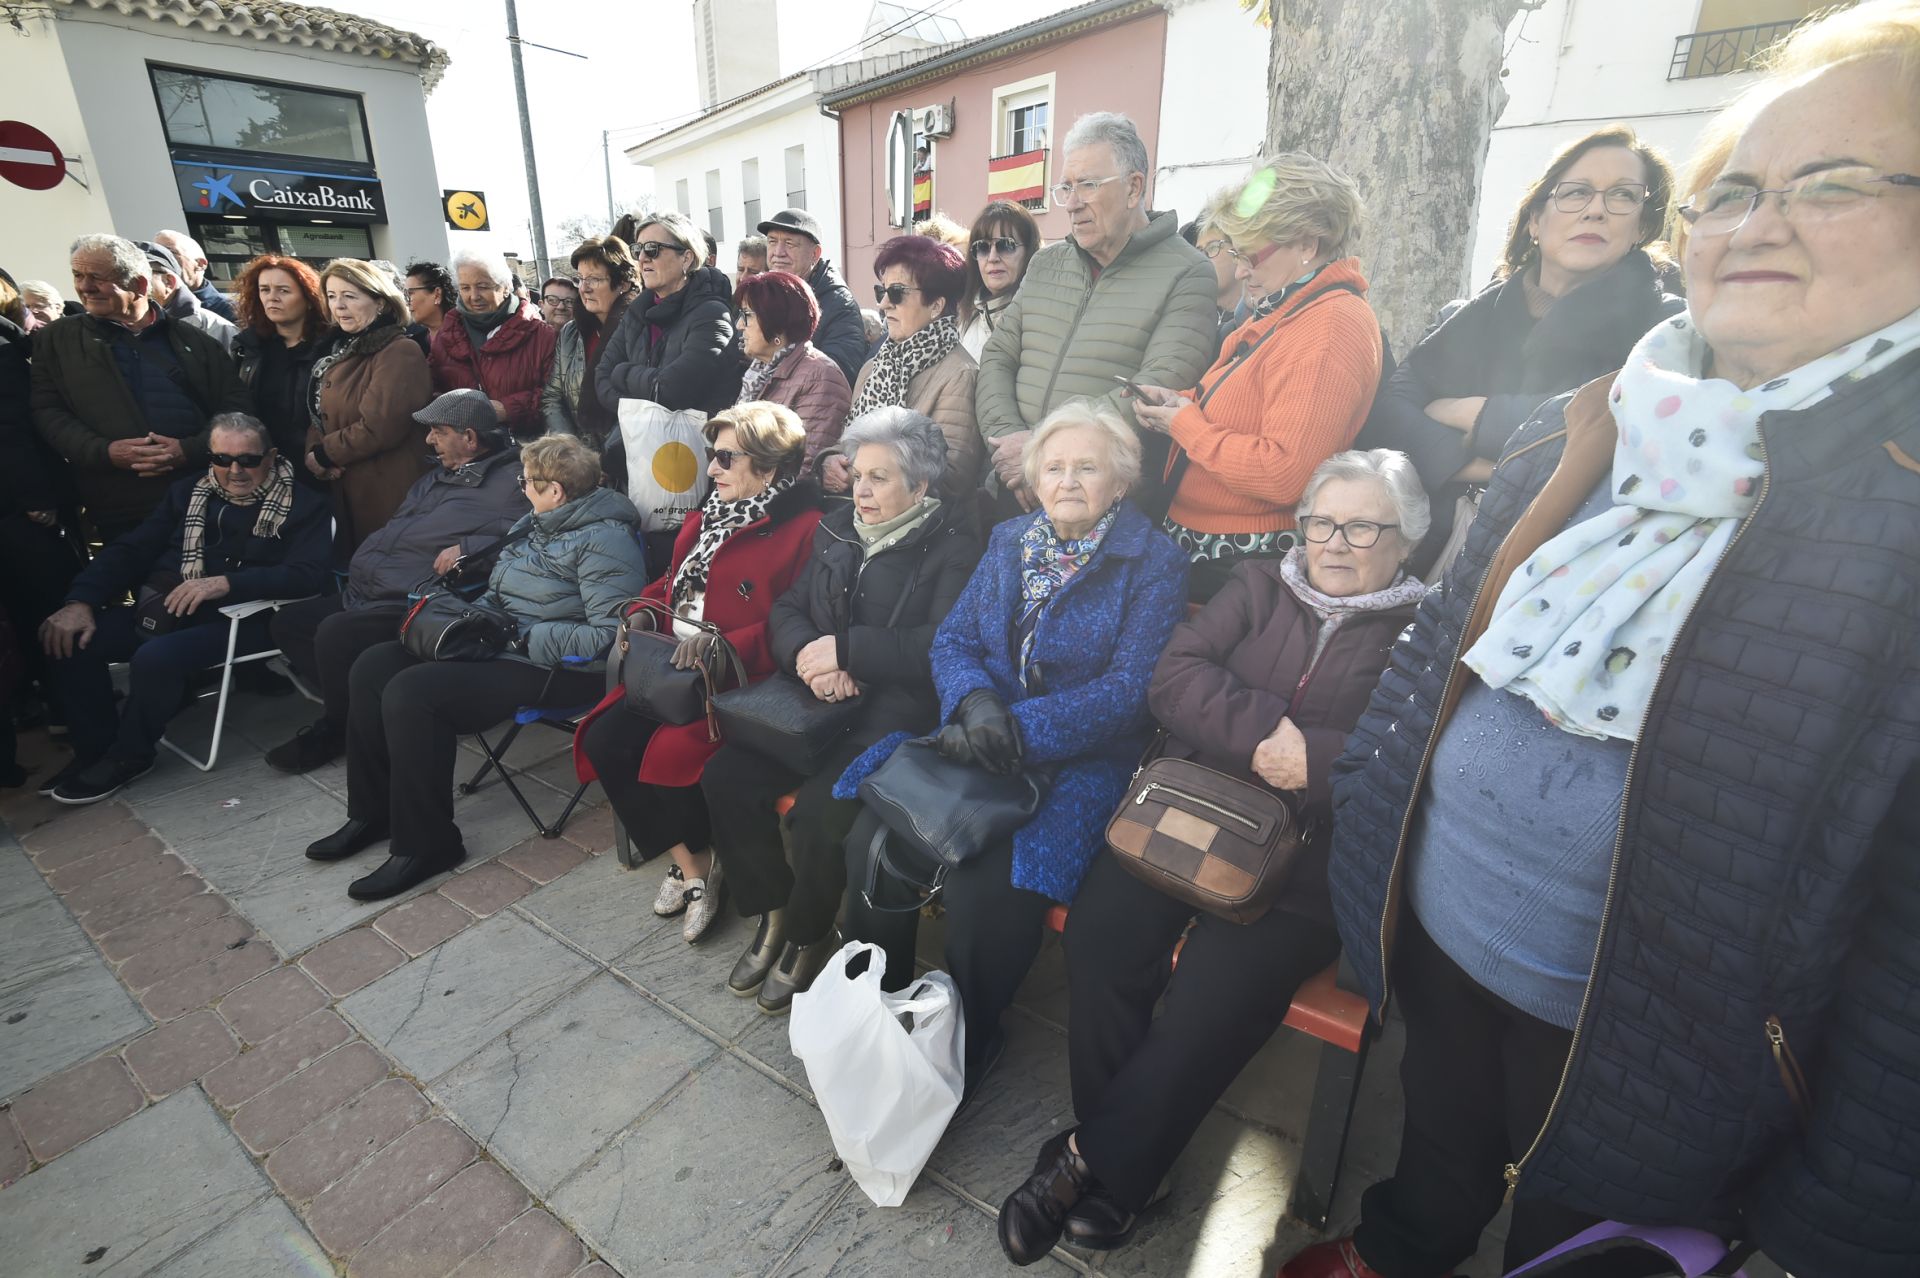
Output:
x=1017 y=177
x=922 y=192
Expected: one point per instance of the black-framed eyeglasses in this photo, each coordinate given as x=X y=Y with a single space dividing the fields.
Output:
x=554 y=299
x=1361 y=534
x=895 y=293
x=1004 y=245
x=654 y=248
x=248 y=461
x=1724 y=207
x=745 y=314
x=725 y=456
x=1574 y=197
x=1214 y=248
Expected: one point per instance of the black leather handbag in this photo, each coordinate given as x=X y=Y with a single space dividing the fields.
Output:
x=657 y=688
x=931 y=814
x=444 y=627
x=782 y=719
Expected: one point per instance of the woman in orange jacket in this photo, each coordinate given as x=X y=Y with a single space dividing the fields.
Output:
x=1292 y=385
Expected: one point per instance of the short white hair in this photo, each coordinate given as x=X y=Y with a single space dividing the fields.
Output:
x=129 y=263
x=184 y=246
x=1114 y=130
x=40 y=291
x=1123 y=446
x=682 y=229
x=494 y=264
x=1394 y=472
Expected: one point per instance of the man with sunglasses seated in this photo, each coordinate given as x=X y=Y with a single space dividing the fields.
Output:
x=240 y=531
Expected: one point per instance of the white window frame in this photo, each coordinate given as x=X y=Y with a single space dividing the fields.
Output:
x=1006 y=99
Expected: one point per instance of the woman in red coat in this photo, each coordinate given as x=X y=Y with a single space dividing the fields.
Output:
x=494 y=343
x=732 y=559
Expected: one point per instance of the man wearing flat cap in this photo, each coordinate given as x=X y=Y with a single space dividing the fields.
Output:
x=168 y=290
x=460 y=507
x=793 y=245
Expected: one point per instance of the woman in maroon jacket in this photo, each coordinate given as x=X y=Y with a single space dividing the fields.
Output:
x=1262 y=684
x=778 y=314
x=734 y=556
x=494 y=343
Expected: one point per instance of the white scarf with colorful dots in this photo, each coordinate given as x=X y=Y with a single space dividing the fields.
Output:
x=1582 y=628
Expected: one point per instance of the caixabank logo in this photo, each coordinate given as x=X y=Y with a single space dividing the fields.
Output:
x=279 y=194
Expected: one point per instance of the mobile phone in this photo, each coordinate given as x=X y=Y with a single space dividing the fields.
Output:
x=1133 y=388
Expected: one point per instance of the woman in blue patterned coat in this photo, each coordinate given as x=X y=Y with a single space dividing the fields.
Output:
x=1042 y=664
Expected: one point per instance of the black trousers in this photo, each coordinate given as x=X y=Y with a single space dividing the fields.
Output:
x=1479 y=1076
x=993 y=933
x=1141 y=1084
x=656 y=817
x=322 y=638
x=404 y=722
x=741 y=787
x=160 y=678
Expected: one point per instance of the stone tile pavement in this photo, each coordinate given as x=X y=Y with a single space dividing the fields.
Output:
x=213 y=1063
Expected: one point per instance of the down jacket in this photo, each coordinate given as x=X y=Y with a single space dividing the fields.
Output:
x=1095 y=648
x=945 y=392
x=674 y=350
x=1766 y=865
x=565 y=580
x=472 y=507
x=812 y=385
x=568 y=403
x=882 y=612
x=841 y=333
x=512 y=366
x=1069 y=332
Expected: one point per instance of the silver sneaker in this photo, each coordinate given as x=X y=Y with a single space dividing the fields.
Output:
x=673 y=893
x=703 y=904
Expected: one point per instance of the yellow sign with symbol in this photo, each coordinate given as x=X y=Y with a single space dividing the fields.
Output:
x=466 y=210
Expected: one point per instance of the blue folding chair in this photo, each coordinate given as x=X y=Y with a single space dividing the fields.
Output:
x=567 y=721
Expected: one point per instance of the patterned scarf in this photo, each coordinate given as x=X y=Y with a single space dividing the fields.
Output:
x=1047 y=563
x=1583 y=628
x=347 y=346
x=898 y=363
x=760 y=372
x=1334 y=610
x=274 y=498
x=719 y=520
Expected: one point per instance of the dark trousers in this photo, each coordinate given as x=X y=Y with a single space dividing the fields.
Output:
x=404 y=721
x=322 y=638
x=1479 y=1076
x=162 y=674
x=741 y=787
x=993 y=933
x=40 y=563
x=1141 y=1084
x=656 y=817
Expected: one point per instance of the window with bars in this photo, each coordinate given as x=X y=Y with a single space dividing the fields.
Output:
x=750 y=194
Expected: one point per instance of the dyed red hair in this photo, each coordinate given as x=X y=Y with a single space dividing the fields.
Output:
x=246 y=293
x=782 y=303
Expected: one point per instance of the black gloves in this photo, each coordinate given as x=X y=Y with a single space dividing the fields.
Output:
x=983 y=732
x=691 y=651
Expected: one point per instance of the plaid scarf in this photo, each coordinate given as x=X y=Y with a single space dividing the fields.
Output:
x=274 y=498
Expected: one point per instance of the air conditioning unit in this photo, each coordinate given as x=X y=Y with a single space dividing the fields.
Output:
x=936 y=121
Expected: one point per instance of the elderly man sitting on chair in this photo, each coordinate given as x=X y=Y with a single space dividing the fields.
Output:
x=243 y=531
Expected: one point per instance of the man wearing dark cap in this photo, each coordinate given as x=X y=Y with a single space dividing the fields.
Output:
x=793 y=245
x=461 y=507
x=168 y=289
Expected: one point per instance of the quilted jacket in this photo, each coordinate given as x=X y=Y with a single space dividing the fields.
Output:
x=945 y=392
x=673 y=351
x=1069 y=332
x=511 y=367
x=568 y=403
x=566 y=580
x=812 y=385
x=1095 y=649
x=1768 y=864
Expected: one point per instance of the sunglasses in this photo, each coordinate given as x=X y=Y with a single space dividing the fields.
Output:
x=895 y=293
x=654 y=248
x=725 y=456
x=247 y=460
x=1004 y=245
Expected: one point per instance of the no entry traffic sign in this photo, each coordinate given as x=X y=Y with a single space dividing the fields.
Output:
x=29 y=158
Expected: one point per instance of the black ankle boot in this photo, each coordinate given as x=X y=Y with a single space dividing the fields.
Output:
x=400 y=873
x=1099 y=1223
x=760 y=956
x=1033 y=1215
x=355 y=836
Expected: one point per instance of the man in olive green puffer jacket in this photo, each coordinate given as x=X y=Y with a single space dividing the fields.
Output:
x=1122 y=296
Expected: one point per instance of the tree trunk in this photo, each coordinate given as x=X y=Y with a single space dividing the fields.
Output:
x=1402 y=95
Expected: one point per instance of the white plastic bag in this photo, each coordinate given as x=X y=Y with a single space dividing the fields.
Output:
x=666 y=476
x=886 y=1088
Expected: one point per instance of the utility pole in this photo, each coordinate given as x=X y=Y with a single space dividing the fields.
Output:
x=606 y=158
x=526 y=144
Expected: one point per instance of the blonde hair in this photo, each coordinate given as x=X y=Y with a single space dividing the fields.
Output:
x=372 y=281
x=564 y=460
x=1303 y=197
x=771 y=435
x=944 y=229
x=1878 y=29
x=1123 y=446
x=11 y=305
x=684 y=232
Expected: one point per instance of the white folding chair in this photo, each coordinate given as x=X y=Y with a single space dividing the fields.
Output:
x=235 y=614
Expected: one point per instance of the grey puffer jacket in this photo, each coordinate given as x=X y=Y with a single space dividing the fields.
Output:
x=566 y=580
x=471 y=507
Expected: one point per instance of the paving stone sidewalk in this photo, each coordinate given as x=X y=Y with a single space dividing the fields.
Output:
x=214 y=1063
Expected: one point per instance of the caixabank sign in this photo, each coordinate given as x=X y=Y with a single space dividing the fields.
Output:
x=277 y=194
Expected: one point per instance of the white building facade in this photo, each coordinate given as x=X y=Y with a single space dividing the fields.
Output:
x=1213 y=102
x=253 y=128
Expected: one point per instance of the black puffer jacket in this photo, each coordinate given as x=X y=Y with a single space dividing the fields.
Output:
x=841 y=334
x=280 y=379
x=881 y=611
x=1769 y=858
x=673 y=351
x=32 y=475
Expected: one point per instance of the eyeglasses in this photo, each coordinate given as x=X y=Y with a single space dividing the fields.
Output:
x=1084 y=188
x=1251 y=259
x=654 y=248
x=725 y=456
x=594 y=281
x=1004 y=245
x=526 y=481
x=1573 y=197
x=1361 y=534
x=554 y=299
x=745 y=314
x=1724 y=207
x=895 y=293
x=1214 y=248
x=247 y=460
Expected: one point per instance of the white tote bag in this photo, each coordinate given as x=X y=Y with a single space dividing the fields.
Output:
x=666 y=470
x=887 y=1069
